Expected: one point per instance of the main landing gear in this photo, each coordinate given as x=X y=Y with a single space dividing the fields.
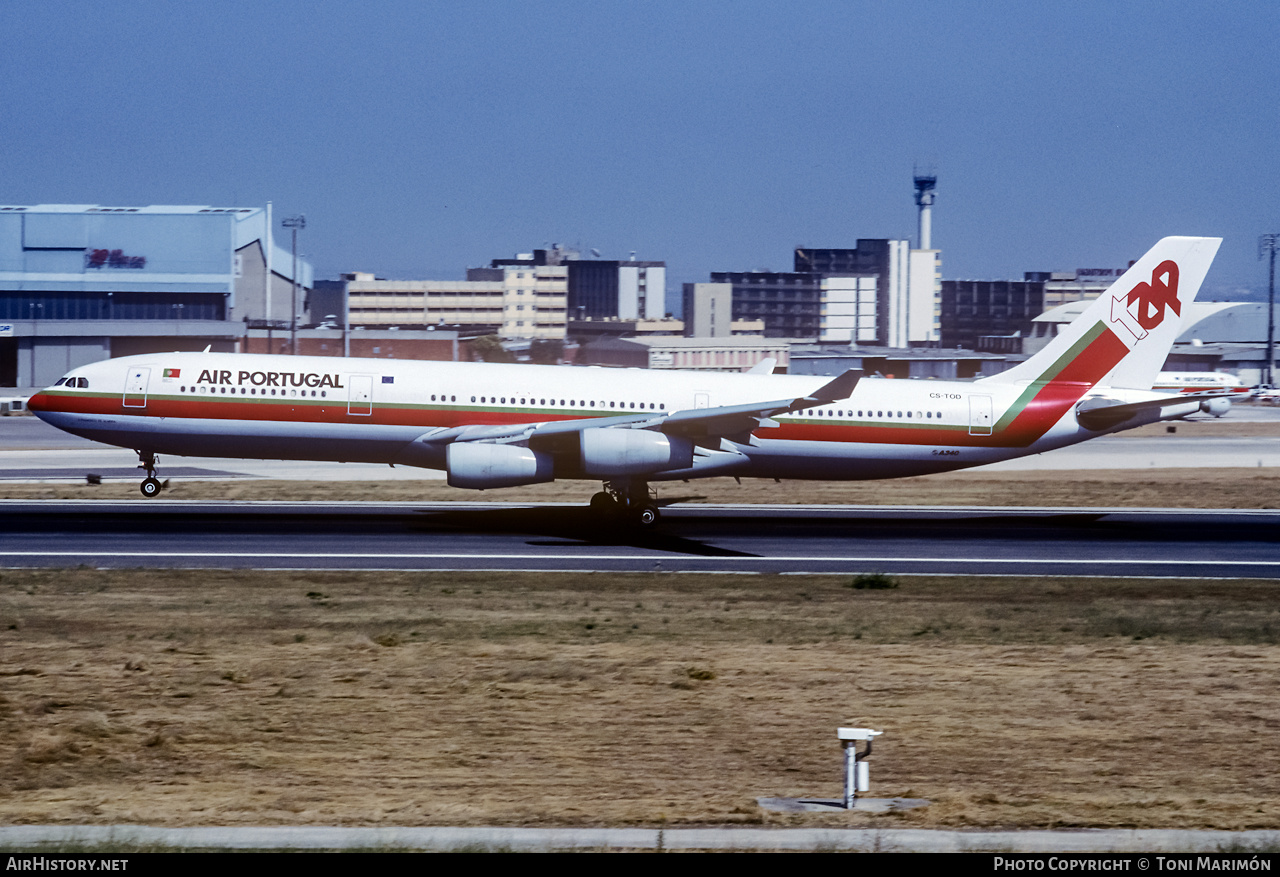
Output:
x=151 y=485
x=629 y=501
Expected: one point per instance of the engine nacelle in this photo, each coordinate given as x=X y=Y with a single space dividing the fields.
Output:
x=608 y=452
x=481 y=465
x=1216 y=407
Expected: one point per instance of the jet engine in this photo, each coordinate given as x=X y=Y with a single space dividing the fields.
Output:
x=481 y=465
x=607 y=452
x=1216 y=407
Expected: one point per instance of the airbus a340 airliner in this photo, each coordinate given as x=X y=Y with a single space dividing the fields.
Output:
x=489 y=425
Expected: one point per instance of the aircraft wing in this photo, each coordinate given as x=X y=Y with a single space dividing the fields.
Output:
x=721 y=422
x=1099 y=412
x=699 y=424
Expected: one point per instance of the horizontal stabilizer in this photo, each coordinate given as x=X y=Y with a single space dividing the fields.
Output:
x=1099 y=413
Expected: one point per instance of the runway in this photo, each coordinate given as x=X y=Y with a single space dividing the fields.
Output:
x=702 y=538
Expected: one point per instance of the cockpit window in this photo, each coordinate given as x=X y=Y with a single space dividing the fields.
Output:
x=60 y=382
x=82 y=383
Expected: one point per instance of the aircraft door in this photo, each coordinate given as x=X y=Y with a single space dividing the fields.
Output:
x=360 y=400
x=979 y=415
x=135 y=387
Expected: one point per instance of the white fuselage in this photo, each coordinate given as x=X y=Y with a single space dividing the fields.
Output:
x=386 y=411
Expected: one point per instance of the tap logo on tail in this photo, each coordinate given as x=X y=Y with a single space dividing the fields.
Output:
x=1142 y=308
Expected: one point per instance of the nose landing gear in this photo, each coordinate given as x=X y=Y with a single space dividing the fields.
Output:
x=151 y=485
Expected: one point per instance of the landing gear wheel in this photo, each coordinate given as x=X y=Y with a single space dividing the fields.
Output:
x=151 y=488
x=646 y=516
x=603 y=504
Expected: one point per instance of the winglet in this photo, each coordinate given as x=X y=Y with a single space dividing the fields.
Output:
x=763 y=367
x=832 y=391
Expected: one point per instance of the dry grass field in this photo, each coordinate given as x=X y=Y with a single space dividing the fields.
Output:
x=199 y=697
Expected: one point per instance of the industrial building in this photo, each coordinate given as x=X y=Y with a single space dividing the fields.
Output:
x=895 y=362
x=81 y=283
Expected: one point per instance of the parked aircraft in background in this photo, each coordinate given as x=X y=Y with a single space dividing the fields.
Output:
x=492 y=425
x=1199 y=382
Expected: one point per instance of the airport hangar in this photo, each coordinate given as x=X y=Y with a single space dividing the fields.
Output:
x=81 y=283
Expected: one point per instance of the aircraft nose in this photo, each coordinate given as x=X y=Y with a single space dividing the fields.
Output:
x=41 y=401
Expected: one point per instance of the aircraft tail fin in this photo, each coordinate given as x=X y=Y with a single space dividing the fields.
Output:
x=1123 y=338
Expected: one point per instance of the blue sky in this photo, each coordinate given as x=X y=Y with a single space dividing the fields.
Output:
x=420 y=138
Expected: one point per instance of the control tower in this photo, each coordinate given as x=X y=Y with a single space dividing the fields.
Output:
x=926 y=182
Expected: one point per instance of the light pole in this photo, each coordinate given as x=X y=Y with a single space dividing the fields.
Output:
x=294 y=223
x=1267 y=246
x=36 y=308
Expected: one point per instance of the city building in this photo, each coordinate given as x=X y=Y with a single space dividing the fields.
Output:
x=586 y=331
x=906 y=310
x=974 y=310
x=529 y=297
x=523 y=301
x=994 y=314
x=789 y=304
x=430 y=344
x=694 y=354
x=601 y=288
x=848 y=309
x=708 y=312
x=81 y=283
